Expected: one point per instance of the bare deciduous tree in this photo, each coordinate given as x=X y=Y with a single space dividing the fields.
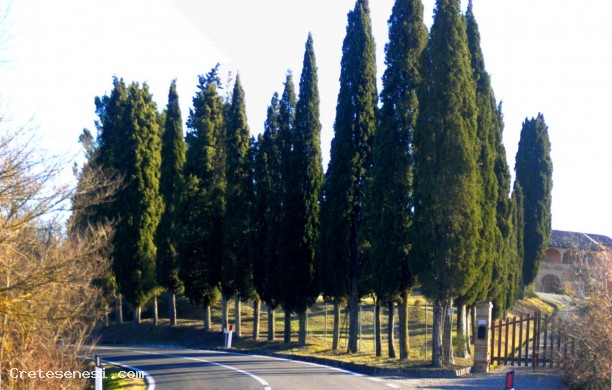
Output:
x=50 y=290
x=588 y=321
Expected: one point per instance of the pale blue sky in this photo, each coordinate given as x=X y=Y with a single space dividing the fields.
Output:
x=549 y=56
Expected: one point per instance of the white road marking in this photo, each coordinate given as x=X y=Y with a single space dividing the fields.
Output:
x=301 y=362
x=258 y=379
x=265 y=384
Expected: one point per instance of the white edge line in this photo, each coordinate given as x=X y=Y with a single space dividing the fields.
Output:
x=258 y=379
x=148 y=378
x=306 y=363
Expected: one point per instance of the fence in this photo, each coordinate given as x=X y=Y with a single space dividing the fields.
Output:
x=531 y=339
x=420 y=320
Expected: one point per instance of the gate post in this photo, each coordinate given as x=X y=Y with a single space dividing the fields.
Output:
x=482 y=339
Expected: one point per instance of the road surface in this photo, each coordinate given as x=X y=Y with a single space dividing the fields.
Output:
x=184 y=369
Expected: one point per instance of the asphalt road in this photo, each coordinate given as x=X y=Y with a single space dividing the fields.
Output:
x=184 y=369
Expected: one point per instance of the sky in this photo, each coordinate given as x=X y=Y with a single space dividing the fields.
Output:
x=547 y=56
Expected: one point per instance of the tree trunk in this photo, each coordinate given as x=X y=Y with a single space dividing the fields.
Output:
x=391 y=329
x=287 y=334
x=303 y=328
x=106 y=319
x=377 y=327
x=462 y=329
x=271 y=323
x=206 y=315
x=522 y=289
x=137 y=320
x=172 y=309
x=447 y=340
x=472 y=320
x=224 y=322
x=353 y=336
x=336 y=333
x=119 y=309
x=237 y=316
x=404 y=335
x=437 y=333
x=256 y=317
x=155 y=311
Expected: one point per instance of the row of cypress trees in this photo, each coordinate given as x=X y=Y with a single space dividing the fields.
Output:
x=216 y=210
x=417 y=190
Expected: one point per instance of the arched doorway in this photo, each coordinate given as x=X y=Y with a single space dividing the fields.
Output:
x=550 y=284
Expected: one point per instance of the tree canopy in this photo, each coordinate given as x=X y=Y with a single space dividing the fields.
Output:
x=533 y=169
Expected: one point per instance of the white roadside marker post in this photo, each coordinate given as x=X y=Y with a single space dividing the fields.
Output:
x=99 y=373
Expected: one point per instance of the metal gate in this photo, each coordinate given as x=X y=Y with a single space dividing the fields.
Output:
x=531 y=339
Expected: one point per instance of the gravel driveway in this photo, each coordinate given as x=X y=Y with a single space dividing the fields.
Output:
x=525 y=379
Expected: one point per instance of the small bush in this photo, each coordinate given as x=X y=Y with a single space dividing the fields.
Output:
x=459 y=344
x=416 y=312
x=530 y=291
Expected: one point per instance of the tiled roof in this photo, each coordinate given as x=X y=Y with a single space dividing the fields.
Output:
x=563 y=239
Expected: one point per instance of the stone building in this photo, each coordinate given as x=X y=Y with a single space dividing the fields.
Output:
x=572 y=256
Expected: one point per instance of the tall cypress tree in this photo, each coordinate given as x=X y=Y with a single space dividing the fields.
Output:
x=533 y=169
x=351 y=149
x=237 y=271
x=108 y=158
x=173 y=159
x=505 y=244
x=201 y=205
x=139 y=204
x=486 y=125
x=516 y=250
x=496 y=209
x=447 y=181
x=267 y=214
x=286 y=127
x=389 y=198
x=301 y=202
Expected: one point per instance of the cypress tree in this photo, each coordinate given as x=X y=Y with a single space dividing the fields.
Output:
x=201 y=205
x=389 y=198
x=516 y=250
x=267 y=214
x=496 y=211
x=486 y=123
x=351 y=149
x=447 y=178
x=533 y=169
x=111 y=133
x=139 y=204
x=237 y=271
x=505 y=245
x=303 y=188
x=173 y=159
x=286 y=126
